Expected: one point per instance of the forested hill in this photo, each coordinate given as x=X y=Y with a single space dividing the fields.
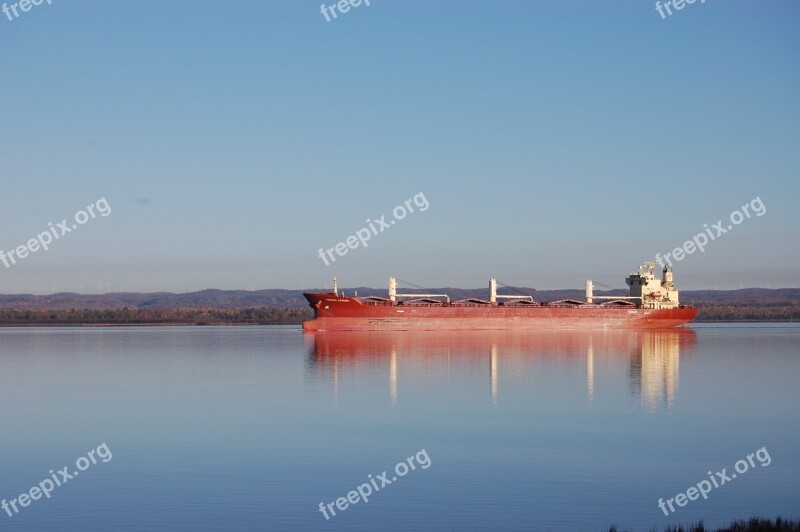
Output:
x=275 y=298
x=749 y=304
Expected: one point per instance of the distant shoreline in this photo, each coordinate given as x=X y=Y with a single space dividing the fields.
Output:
x=221 y=311
x=153 y=324
x=137 y=317
x=252 y=324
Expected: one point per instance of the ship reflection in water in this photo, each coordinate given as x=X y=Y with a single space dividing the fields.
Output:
x=648 y=360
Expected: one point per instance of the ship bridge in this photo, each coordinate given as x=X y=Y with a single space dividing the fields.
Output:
x=653 y=292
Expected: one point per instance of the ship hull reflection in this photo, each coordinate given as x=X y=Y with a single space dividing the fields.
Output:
x=653 y=357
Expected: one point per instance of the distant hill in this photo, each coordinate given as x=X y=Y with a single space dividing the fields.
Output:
x=748 y=304
x=206 y=299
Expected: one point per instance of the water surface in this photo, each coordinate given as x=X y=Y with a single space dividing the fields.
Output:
x=250 y=428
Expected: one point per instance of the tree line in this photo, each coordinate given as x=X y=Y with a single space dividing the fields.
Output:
x=176 y=316
x=749 y=312
x=708 y=312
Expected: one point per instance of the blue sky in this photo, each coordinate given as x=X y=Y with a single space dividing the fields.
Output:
x=554 y=140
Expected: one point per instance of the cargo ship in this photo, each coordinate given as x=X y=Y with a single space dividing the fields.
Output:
x=651 y=304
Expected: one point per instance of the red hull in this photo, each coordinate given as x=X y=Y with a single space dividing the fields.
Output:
x=338 y=313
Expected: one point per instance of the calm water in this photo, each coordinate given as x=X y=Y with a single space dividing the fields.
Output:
x=250 y=428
